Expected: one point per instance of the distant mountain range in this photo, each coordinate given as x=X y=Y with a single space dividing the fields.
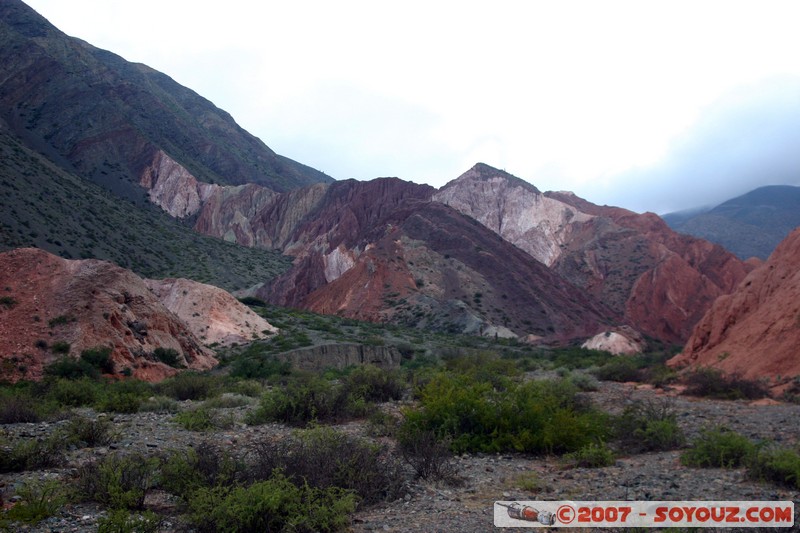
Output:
x=750 y=225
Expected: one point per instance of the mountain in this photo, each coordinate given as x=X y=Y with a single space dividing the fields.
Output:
x=110 y=121
x=44 y=206
x=660 y=282
x=754 y=331
x=389 y=250
x=54 y=307
x=750 y=225
x=81 y=131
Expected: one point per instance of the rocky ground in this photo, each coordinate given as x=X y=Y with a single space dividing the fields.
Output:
x=485 y=478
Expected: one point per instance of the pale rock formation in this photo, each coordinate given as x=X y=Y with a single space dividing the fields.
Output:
x=513 y=209
x=211 y=314
x=624 y=341
x=173 y=188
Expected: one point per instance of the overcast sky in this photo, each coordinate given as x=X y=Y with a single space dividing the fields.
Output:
x=647 y=105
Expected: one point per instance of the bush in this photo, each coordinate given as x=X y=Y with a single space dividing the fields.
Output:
x=32 y=455
x=74 y=393
x=60 y=347
x=275 y=504
x=594 y=455
x=87 y=432
x=159 y=404
x=428 y=456
x=373 y=384
x=205 y=465
x=118 y=481
x=99 y=358
x=39 y=500
x=16 y=409
x=536 y=417
x=325 y=458
x=258 y=366
x=306 y=399
x=203 y=419
x=168 y=356
x=189 y=386
x=648 y=426
x=720 y=448
x=711 y=383
x=69 y=368
x=621 y=369
x=779 y=465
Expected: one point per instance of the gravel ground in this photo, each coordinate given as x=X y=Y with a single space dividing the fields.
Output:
x=485 y=478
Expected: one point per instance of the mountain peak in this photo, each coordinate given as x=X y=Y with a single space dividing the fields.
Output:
x=483 y=172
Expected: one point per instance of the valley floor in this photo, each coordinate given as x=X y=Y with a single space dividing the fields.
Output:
x=432 y=507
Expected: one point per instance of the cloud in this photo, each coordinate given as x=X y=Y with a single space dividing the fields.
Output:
x=748 y=138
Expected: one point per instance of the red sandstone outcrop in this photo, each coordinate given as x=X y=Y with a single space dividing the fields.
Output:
x=86 y=304
x=755 y=331
x=211 y=314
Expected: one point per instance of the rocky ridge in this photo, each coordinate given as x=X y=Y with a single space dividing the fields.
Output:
x=75 y=305
x=755 y=330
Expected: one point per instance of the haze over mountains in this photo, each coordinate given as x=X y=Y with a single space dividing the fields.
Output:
x=750 y=225
x=111 y=160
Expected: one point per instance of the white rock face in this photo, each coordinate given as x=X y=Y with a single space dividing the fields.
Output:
x=518 y=213
x=339 y=261
x=173 y=188
x=210 y=313
x=613 y=342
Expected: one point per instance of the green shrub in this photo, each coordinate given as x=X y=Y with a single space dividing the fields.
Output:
x=204 y=465
x=258 y=366
x=123 y=521
x=16 y=409
x=74 y=393
x=429 y=456
x=159 y=404
x=325 y=458
x=7 y=301
x=60 y=347
x=649 y=425
x=189 y=386
x=168 y=356
x=306 y=399
x=593 y=455
x=719 y=447
x=779 y=465
x=39 y=500
x=373 y=384
x=32 y=455
x=537 y=417
x=87 y=432
x=118 y=481
x=99 y=358
x=271 y=505
x=69 y=368
x=203 y=419
x=621 y=369
x=711 y=383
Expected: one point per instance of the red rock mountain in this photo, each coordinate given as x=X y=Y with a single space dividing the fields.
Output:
x=659 y=281
x=47 y=301
x=361 y=249
x=755 y=331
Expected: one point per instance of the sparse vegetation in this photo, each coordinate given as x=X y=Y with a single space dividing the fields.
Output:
x=712 y=383
x=721 y=448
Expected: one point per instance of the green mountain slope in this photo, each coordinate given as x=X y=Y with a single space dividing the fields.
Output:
x=104 y=118
x=44 y=206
